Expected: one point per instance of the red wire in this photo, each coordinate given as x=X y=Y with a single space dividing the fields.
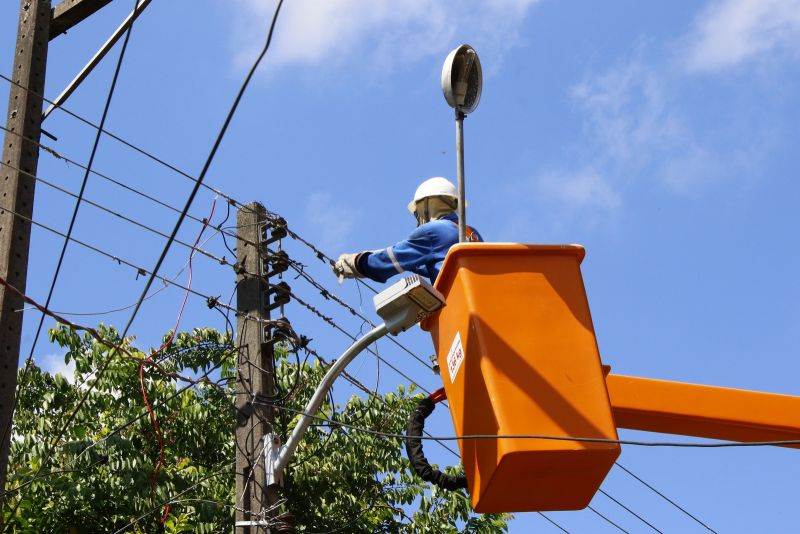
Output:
x=151 y=357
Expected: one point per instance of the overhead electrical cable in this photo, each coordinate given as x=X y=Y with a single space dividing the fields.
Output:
x=151 y=358
x=179 y=222
x=301 y=272
x=112 y=345
x=329 y=295
x=194 y=248
x=351 y=379
x=321 y=255
x=131 y=305
x=545 y=437
x=608 y=520
x=111 y=180
x=179 y=494
x=670 y=501
x=375 y=395
x=175 y=169
x=559 y=527
x=634 y=514
x=74 y=217
x=213 y=301
x=294 y=235
x=121 y=261
x=119 y=139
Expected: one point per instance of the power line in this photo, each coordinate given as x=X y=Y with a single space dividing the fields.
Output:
x=168 y=501
x=89 y=330
x=178 y=223
x=129 y=306
x=335 y=325
x=301 y=272
x=634 y=514
x=375 y=395
x=221 y=261
x=328 y=295
x=121 y=140
x=74 y=217
x=673 y=503
x=313 y=309
x=321 y=255
x=608 y=520
x=293 y=234
x=544 y=437
x=324 y=257
x=559 y=527
x=109 y=179
x=213 y=301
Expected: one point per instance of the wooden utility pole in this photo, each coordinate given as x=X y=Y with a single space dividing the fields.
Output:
x=255 y=371
x=19 y=164
x=20 y=153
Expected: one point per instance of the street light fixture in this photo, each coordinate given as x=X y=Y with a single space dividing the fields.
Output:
x=462 y=83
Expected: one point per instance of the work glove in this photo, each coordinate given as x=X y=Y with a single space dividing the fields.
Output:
x=347 y=266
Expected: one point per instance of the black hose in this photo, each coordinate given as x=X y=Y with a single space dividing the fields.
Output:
x=423 y=469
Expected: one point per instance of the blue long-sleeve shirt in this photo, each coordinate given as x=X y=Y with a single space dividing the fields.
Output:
x=423 y=252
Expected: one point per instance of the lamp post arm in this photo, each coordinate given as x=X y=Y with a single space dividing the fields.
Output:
x=319 y=396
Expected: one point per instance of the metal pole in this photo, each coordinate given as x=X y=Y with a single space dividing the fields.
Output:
x=255 y=370
x=16 y=193
x=462 y=203
x=99 y=55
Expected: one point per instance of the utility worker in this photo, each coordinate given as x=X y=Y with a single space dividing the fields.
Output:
x=434 y=206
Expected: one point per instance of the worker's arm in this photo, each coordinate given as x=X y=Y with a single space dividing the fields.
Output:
x=410 y=255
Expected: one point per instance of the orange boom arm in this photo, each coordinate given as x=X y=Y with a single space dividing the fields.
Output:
x=704 y=411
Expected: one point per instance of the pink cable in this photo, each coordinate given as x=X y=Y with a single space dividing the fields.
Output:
x=151 y=357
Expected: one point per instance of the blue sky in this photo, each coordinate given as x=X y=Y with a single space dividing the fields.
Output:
x=662 y=137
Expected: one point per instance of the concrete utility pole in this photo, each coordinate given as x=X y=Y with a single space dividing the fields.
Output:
x=255 y=371
x=16 y=195
x=38 y=24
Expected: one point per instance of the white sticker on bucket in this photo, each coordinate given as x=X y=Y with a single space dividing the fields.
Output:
x=455 y=357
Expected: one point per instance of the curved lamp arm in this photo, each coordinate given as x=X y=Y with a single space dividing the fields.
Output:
x=278 y=457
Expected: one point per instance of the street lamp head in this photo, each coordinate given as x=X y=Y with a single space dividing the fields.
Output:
x=462 y=79
x=407 y=302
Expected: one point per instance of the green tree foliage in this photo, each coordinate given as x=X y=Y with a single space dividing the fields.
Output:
x=97 y=477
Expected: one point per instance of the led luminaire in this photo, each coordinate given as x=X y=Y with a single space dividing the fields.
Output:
x=407 y=302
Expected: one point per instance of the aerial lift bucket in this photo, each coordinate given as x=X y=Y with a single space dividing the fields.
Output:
x=518 y=356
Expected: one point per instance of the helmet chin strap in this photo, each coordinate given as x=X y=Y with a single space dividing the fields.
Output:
x=425 y=217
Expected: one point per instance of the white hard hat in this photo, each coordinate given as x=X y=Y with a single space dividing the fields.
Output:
x=433 y=187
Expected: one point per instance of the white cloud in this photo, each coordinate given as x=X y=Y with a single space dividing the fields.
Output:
x=638 y=129
x=54 y=364
x=581 y=189
x=379 y=33
x=332 y=222
x=730 y=32
x=626 y=111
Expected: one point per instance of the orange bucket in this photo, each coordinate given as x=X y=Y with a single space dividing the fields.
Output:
x=518 y=355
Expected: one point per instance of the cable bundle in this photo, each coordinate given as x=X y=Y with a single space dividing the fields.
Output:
x=420 y=464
